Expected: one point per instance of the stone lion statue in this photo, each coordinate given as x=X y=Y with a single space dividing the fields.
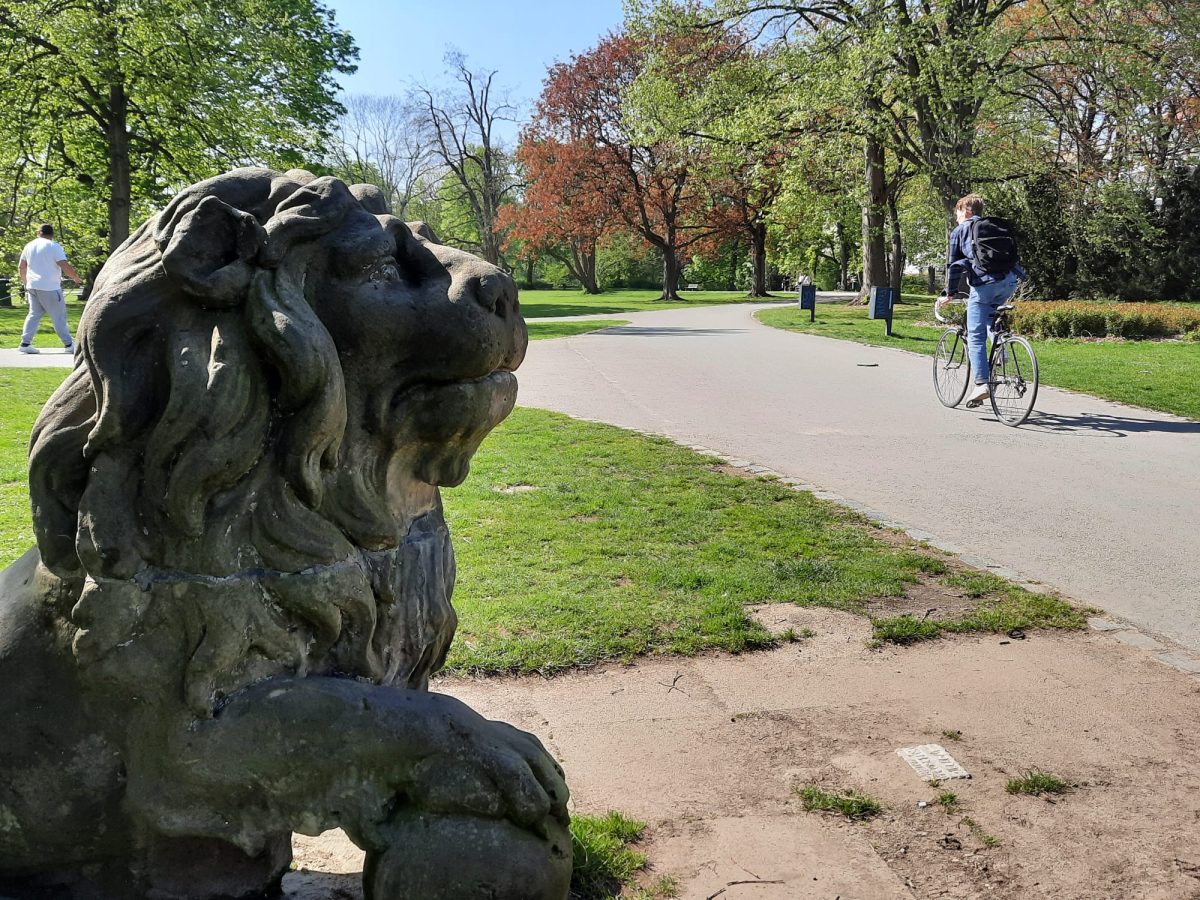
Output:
x=242 y=577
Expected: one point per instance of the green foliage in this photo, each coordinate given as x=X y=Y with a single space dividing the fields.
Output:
x=624 y=262
x=107 y=96
x=850 y=803
x=728 y=268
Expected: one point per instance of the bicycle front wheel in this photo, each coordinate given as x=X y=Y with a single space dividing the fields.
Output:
x=951 y=368
x=1014 y=382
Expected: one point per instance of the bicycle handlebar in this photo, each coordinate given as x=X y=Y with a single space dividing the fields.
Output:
x=941 y=301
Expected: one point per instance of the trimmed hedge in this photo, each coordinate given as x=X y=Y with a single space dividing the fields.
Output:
x=1081 y=319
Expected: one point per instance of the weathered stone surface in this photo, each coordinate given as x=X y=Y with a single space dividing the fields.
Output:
x=243 y=577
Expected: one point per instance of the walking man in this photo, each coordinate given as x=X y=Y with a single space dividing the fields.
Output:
x=985 y=251
x=43 y=264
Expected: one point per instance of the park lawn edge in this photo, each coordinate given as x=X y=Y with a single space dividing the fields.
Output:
x=580 y=543
x=1188 y=408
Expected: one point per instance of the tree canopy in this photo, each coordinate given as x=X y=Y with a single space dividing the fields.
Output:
x=108 y=105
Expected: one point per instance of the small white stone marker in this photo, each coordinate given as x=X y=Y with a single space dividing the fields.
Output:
x=932 y=761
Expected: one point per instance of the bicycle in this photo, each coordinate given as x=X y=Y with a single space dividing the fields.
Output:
x=1013 y=385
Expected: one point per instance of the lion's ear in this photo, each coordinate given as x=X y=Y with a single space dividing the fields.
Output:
x=211 y=252
x=423 y=229
x=372 y=199
x=315 y=210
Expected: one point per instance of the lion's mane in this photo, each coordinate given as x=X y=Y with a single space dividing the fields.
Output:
x=192 y=473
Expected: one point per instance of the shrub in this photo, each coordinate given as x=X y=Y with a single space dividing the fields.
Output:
x=1082 y=319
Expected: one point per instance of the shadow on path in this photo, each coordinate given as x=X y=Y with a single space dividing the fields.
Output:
x=664 y=331
x=307 y=885
x=1117 y=426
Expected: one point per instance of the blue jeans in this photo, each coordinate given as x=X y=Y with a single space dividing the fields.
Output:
x=981 y=306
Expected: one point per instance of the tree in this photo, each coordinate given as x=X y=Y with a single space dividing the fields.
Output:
x=462 y=125
x=559 y=215
x=132 y=97
x=693 y=87
x=648 y=182
x=380 y=141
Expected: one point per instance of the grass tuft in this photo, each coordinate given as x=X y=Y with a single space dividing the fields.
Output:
x=604 y=863
x=948 y=801
x=850 y=803
x=1035 y=782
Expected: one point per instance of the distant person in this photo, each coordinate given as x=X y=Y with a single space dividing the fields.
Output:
x=43 y=264
x=985 y=250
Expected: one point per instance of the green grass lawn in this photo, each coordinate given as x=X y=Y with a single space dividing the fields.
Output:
x=1160 y=375
x=539 y=331
x=579 y=542
x=539 y=304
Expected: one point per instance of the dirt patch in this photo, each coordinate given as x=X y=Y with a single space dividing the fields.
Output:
x=711 y=751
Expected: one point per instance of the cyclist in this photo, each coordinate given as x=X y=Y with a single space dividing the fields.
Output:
x=992 y=280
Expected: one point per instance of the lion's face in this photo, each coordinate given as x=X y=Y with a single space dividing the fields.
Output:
x=276 y=377
x=428 y=338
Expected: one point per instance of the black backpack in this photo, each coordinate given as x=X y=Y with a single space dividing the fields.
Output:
x=995 y=245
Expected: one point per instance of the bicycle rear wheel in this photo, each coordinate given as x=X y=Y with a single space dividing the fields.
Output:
x=1014 y=382
x=951 y=369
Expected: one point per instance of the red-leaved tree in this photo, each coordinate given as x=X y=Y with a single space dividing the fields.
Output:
x=560 y=216
x=645 y=185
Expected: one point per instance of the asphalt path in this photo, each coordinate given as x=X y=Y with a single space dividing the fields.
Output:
x=1098 y=500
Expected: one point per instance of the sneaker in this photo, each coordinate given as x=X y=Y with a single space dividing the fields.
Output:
x=28 y=348
x=70 y=348
x=977 y=396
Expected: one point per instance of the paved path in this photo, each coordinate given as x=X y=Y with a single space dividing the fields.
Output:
x=1099 y=500
x=48 y=358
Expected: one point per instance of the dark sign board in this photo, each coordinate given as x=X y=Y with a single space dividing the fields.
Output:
x=880 y=305
x=808 y=299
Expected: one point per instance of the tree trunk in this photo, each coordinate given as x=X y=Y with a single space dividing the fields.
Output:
x=896 y=269
x=581 y=263
x=843 y=259
x=118 y=167
x=670 y=270
x=529 y=272
x=758 y=250
x=587 y=271
x=874 y=253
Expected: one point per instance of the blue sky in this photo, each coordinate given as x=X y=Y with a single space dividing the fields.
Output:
x=404 y=41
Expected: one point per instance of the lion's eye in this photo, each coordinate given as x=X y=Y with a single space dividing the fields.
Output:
x=383 y=271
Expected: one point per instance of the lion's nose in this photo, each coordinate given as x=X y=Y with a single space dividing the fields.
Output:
x=497 y=292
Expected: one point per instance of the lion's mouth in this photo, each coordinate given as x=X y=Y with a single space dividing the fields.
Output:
x=439 y=426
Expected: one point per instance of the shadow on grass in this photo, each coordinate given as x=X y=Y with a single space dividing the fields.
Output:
x=537 y=310
x=1117 y=426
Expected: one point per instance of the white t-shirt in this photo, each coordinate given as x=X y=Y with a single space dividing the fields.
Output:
x=42 y=256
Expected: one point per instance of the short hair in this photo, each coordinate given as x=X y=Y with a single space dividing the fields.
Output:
x=972 y=204
x=46 y=230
